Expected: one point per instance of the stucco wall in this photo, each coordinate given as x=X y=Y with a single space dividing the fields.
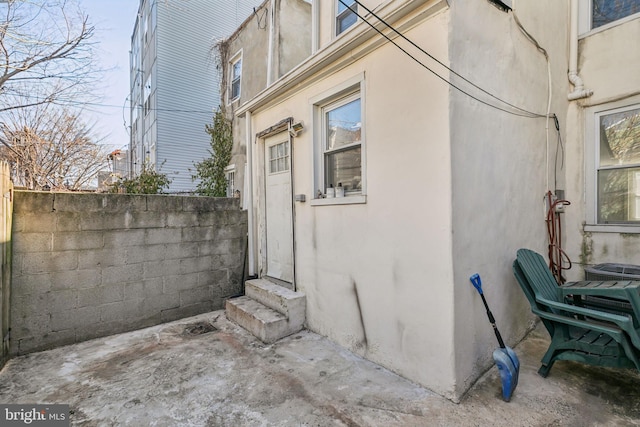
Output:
x=609 y=66
x=378 y=275
x=499 y=162
x=91 y=265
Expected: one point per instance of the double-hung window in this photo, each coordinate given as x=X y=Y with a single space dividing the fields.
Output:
x=600 y=13
x=345 y=15
x=236 y=75
x=617 y=159
x=342 y=144
x=339 y=140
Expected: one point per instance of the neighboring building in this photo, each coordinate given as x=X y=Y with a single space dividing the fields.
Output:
x=278 y=32
x=603 y=138
x=442 y=178
x=175 y=82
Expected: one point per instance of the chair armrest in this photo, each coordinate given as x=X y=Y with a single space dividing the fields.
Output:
x=625 y=323
x=611 y=330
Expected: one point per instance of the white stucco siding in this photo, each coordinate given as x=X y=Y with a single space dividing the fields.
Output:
x=609 y=65
x=499 y=162
x=378 y=276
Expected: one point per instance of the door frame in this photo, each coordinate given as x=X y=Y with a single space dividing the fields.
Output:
x=261 y=182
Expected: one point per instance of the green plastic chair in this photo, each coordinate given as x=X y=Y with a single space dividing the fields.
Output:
x=580 y=334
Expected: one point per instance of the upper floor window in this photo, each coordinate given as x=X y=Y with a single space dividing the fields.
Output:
x=600 y=13
x=236 y=75
x=345 y=16
x=618 y=165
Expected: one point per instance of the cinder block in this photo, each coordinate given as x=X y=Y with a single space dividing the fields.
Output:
x=61 y=300
x=100 y=295
x=161 y=268
x=194 y=296
x=147 y=219
x=32 y=242
x=212 y=218
x=213 y=277
x=98 y=221
x=68 y=221
x=124 y=238
x=47 y=262
x=78 y=241
x=164 y=203
x=182 y=250
x=45 y=342
x=143 y=289
x=156 y=236
x=124 y=311
x=198 y=234
x=76 y=279
x=188 y=311
x=41 y=222
x=100 y=329
x=231 y=231
x=30 y=284
x=32 y=201
x=122 y=274
x=182 y=219
x=100 y=258
x=196 y=264
x=142 y=254
x=154 y=305
x=30 y=326
x=74 y=319
x=76 y=202
x=179 y=282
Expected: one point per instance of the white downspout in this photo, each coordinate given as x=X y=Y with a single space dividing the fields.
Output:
x=249 y=179
x=579 y=90
x=315 y=25
x=272 y=22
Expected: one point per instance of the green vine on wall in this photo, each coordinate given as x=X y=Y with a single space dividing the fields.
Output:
x=211 y=171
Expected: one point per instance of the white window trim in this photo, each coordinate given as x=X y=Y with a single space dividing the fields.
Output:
x=228 y=170
x=350 y=86
x=335 y=19
x=591 y=153
x=584 y=20
x=234 y=59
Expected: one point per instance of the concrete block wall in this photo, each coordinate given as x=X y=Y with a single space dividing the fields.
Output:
x=91 y=265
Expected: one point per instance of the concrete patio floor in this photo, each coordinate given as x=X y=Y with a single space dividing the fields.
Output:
x=167 y=376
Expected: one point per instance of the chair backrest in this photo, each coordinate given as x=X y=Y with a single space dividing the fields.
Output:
x=535 y=269
x=528 y=292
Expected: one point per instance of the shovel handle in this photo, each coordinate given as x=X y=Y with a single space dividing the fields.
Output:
x=477 y=283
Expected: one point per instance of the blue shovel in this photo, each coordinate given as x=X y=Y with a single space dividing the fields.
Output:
x=505 y=358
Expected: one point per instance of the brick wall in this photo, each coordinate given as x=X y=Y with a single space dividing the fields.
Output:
x=91 y=265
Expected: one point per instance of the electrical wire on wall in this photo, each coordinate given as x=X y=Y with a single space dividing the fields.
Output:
x=496 y=102
x=558 y=259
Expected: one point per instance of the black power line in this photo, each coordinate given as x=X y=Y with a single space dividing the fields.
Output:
x=520 y=111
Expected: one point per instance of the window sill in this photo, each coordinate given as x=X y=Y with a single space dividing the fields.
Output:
x=346 y=200
x=612 y=228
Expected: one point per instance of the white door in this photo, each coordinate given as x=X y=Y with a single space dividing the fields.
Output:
x=278 y=199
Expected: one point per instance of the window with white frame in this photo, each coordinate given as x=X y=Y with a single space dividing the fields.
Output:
x=600 y=13
x=236 y=75
x=345 y=15
x=230 y=172
x=617 y=160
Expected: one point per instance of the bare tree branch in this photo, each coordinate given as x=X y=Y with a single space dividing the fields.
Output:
x=46 y=54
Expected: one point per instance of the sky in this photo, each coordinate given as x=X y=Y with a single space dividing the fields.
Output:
x=113 y=21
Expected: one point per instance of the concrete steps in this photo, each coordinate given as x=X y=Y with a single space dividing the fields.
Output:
x=267 y=310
